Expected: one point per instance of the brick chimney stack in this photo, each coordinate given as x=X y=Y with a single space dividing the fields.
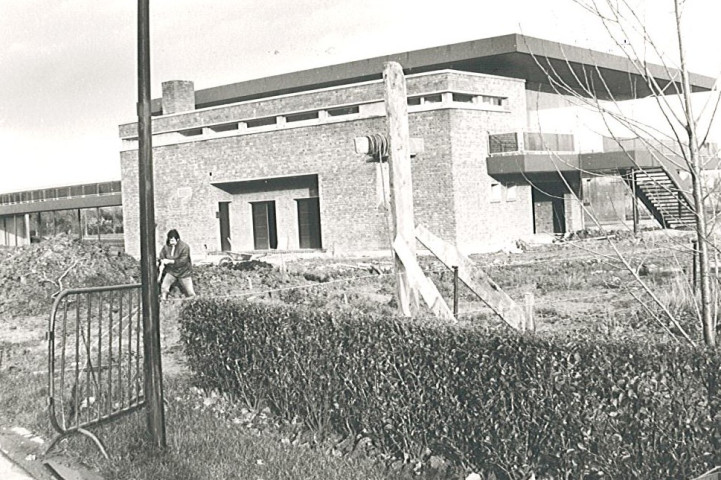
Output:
x=178 y=96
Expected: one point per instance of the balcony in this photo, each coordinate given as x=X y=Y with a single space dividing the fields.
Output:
x=531 y=152
x=521 y=153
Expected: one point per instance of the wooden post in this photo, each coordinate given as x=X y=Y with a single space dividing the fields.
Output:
x=455 y=291
x=715 y=256
x=474 y=278
x=528 y=301
x=634 y=187
x=420 y=283
x=400 y=180
x=694 y=262
x=715 y=282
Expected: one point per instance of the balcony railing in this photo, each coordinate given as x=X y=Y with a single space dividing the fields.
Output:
x=659 y=147
x=512 y=142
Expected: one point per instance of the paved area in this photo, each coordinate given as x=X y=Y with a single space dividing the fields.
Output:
x=10 y=471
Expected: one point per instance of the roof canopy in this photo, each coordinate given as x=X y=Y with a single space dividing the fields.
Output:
x=517 y=56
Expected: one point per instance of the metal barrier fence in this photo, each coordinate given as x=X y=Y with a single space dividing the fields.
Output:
x=95 y=358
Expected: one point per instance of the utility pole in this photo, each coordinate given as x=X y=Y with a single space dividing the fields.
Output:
x=153 y=386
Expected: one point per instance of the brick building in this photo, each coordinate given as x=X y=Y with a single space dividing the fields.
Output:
x=270 y=163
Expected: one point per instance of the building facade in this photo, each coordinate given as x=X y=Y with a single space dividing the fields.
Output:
x=270 y=164
x=90 y=211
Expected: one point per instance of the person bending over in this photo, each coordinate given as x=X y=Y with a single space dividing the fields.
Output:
x=175 y=258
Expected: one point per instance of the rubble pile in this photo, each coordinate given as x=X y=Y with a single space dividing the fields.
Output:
x=31 y=275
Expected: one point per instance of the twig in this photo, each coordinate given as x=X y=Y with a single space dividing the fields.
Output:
x=59 y=282
x=60 y=279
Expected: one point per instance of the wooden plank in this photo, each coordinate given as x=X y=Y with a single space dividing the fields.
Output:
x=400 y=179
x=423 y=284
x=713 y=474
x=530 y=321
x=474 y=278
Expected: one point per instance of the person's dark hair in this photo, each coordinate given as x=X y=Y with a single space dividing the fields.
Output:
x=172 y=234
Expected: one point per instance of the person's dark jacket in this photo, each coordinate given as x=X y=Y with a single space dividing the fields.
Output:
x=182 y=267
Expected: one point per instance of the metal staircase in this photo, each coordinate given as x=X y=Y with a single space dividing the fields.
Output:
x=660 y=190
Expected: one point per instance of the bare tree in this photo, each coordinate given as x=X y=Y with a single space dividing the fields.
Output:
x=666 y=80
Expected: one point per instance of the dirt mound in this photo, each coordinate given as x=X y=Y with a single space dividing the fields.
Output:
x=30 y=275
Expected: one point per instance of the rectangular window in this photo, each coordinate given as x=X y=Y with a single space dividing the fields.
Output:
x=462 y=98
x=68 y=222
x=118 y=219
x=106 y=220
x=412 y=101
x=495 y=192
x=495 y=101
x=502 y=142
x=34 y=227
x=47 y=224
x=437 y=98
x=228 y=127
x=89 y=224
x=309 y=223
x=261 y=122
x=299 y=117
x=337 y=112
x=265 y=235
x=191 y=132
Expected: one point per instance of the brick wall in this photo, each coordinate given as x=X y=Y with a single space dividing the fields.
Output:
x=449 y=177
x=483 y=224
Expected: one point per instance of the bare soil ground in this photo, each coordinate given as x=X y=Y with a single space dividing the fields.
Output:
x=579 y=286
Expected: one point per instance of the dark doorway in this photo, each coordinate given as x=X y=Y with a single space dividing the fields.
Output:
x=309 y=222
x=265 y=234
x=224 y=219
x=549 y=211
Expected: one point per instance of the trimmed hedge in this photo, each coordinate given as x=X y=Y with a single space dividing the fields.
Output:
x=501 y=404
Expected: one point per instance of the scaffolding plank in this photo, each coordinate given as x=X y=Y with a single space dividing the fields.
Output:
x=423 y=284
x=474 y=278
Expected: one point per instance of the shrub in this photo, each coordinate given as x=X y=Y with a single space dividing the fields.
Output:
x=496 y=403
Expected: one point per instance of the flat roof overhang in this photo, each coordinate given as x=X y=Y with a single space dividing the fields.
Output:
x=514 y=55
x=534 y=163
x=254 y=185
x=108 y=200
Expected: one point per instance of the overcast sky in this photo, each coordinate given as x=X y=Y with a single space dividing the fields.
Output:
x=68 y=73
